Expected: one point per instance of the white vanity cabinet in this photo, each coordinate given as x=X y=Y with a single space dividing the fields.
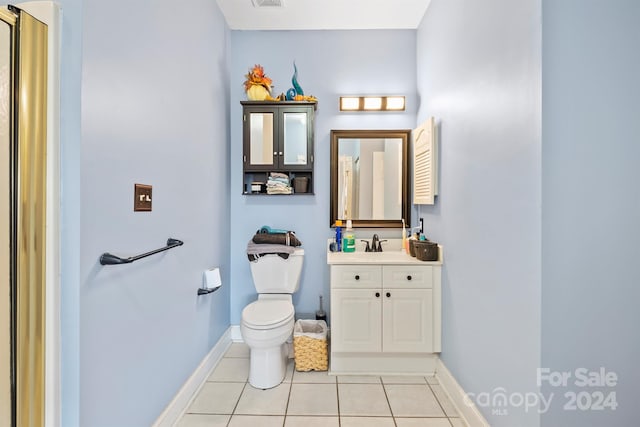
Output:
x=385 y=318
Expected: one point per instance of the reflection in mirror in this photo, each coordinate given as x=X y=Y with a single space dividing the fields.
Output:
x=369 y=183
x=295 y=138
x=261 y=138
x=370 y=178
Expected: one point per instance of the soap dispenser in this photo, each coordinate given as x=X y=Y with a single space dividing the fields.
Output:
x=339 y=234
x=349 y=240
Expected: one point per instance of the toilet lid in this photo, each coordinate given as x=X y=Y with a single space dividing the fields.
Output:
x=264 y=313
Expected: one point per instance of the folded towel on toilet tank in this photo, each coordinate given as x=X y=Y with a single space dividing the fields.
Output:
x=267 y=229
x=288 y=238
x=256 y=250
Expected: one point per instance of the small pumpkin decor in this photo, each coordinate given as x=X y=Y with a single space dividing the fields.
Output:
x=257 y=84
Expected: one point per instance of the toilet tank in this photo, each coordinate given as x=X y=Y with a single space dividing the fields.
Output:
x=274 y=275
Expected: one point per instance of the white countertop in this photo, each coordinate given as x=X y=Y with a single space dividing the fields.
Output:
x=391 y=255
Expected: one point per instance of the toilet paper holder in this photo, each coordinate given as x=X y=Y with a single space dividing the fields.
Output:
x=211 y=281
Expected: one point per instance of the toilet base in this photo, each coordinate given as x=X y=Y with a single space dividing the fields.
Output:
x=268 y=366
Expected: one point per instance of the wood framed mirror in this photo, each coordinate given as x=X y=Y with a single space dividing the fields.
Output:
x=370 y=178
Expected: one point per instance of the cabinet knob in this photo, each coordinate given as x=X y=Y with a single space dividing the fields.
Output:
x=388 y=294
x=377 y=294
x=408 y=277
x=357 y=277
x=275 y=153
x=280 y=153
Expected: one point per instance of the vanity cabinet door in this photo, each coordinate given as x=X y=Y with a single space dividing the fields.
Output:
x=407 y=320
x=356 y=320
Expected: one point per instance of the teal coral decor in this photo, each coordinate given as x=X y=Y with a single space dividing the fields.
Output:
x=296 y=90
x=294 y=80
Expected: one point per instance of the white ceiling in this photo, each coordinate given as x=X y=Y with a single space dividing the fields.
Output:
x=325 y=14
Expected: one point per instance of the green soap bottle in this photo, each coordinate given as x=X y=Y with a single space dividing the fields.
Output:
x=349 y=243
x=349 y=240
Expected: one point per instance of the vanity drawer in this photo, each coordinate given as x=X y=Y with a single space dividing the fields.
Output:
x=407 y=277
x=356 y=276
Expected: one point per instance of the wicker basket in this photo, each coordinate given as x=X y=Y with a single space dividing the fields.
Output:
x=310 y=345
x=426 y=250
x=412 y=247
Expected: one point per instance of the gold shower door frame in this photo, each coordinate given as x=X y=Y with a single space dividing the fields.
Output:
x=28 y=216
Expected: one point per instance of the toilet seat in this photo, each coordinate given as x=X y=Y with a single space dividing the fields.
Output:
x=267 y=314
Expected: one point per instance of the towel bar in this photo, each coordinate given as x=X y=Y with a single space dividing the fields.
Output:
x=110 y=259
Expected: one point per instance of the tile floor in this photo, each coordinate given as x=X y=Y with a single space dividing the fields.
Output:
x=315 y=399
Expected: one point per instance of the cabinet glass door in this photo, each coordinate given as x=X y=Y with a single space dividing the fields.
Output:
x=295 y=138
x=261 y=133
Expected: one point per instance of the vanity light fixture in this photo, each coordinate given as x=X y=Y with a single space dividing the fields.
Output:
x=372 y=103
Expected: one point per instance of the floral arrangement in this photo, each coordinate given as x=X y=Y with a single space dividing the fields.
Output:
x=256 y=77
x=258 y=87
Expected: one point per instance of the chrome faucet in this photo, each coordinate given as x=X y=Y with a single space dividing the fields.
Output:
x=376 y=244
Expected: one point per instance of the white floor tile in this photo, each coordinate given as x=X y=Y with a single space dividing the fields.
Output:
x=299 y=421
x=444 y=400
x=216 y=398
x=432 y=380
x=256 y=421
x=366 y=422
x=288 y=376
x=458 y=422
x=401 y=379
x=231 y=370
x=238 y=349
x=358 y=379
x=313 y=399
x=363 y=400
x=422 y=422
x=273 y=401
x=200 y=420
x=316 y=399
x=409 y=400
x=313 y=377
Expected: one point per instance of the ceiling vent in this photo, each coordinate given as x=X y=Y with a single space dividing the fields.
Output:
x=268 y=3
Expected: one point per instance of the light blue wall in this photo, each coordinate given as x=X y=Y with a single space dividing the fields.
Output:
x=154 y=111
x=479 y=76
x=330 y=64
x=70 y=208
x=591 y=204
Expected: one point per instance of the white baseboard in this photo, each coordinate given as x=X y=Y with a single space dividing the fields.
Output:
x=466 y=408
x=236 y=336
x=191 y=387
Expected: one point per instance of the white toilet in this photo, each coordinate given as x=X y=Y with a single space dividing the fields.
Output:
x=267 y=323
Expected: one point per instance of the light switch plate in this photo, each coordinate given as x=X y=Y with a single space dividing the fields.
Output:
x=141 y=198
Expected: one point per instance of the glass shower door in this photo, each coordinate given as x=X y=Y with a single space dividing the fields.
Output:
x=23 y=124
x=6 y=87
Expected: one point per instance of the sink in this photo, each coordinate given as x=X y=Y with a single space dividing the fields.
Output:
x=394 y=255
